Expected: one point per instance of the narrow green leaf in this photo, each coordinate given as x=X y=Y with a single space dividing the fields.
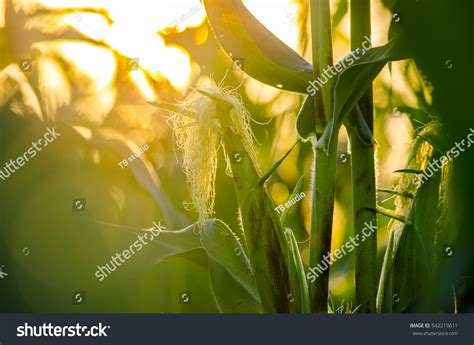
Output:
x=306 y=119
x=275 y=166
x=384 y=293
x=174 y=108
x=386 y=213
x=296 y=190
x=220 y=101
x=409 y=171
x=396 y=192
x=299 y=298
x=354 y=81
x=363 y=131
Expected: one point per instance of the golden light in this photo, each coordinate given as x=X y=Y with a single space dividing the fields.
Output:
x=281 y=20
x=2 y=13
x=132 y=29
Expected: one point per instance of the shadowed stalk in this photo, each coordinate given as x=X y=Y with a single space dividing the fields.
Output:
x=363 y=177
x=323 y=180
x=261 y=228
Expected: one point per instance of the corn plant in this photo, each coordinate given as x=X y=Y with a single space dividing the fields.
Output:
x=212 y=117
x=272 y=251
x=259 y=267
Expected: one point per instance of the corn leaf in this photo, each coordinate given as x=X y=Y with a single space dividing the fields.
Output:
x=141 y=168
x=306 y=119
x=299 y=297
x=353 y=82
x=296 y=190
x=414 y=257
x=260 y=53
x=230 y=272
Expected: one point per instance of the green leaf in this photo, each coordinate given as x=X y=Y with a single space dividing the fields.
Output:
x=141 y=168
x=414 y=262
x=222 y=246
x=299 y=298
x=229 y=267
x=230 y=296
x=386 y=213
x=354 y=81
x=355 y=122
x=260 y=53
x=275 y=166
x=306 y=120
x=396 y=192
x=362 y=128
x=384 y=291
x=296 y=190
x=175 y=108
x=409 y=171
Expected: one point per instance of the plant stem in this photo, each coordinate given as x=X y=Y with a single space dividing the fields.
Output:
x=322 y=208
x=384 y=302
x=363 y=178
x=322 y=58
x=323 y=186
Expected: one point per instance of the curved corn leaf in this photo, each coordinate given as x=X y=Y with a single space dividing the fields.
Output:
x=354 y=81
x=141 y=168
x=384 y=291
x=362 y=128
x=275 y=166
x=229 y=267
x=260 y=53
x=413 y=264
x=299 y=297
x=306 y=119
x=355 y=123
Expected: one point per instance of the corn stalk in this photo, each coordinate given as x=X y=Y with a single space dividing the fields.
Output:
x=363 y=176
x=271 y=251
x=324 y=173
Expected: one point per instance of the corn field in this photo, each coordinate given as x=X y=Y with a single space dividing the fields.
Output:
x=220 y=156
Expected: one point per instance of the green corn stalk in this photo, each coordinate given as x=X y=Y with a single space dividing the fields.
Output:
x=363 y=176
x=272 y=252
x=324 y=173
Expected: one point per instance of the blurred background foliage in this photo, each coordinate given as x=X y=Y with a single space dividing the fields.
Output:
x=90 y=68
